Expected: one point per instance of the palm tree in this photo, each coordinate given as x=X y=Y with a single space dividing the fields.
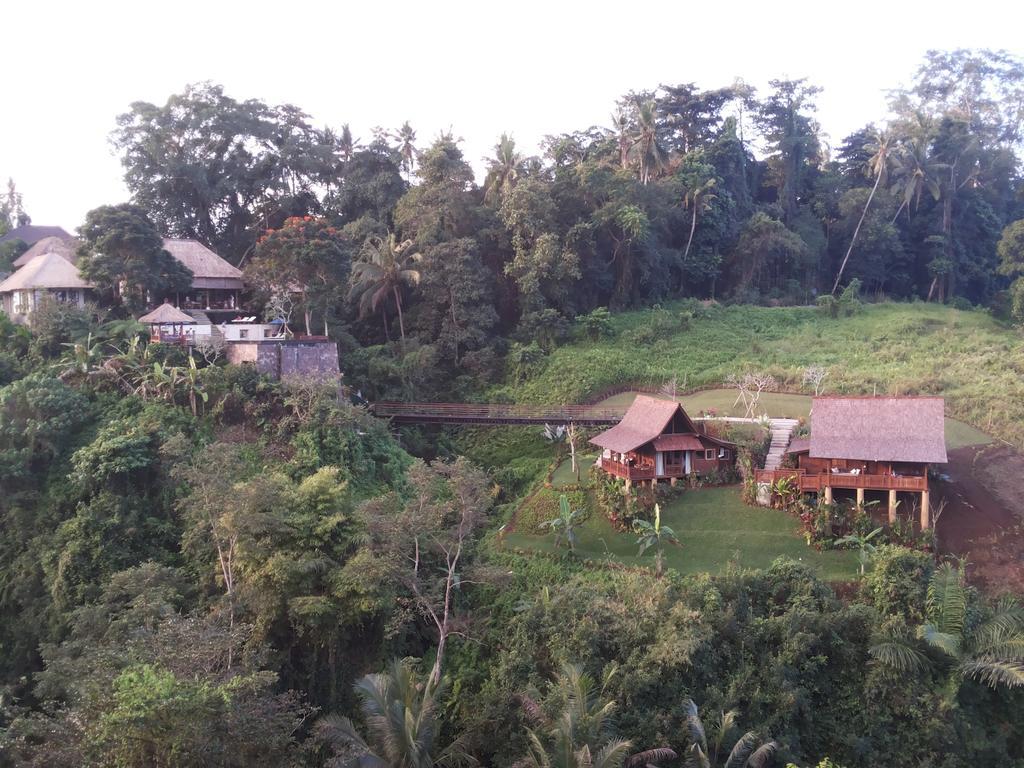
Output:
x=915 y=174
x=401 y=714
x=406 y=138
x=749 y=751
x=581 y=736
x=649 y=154
x=866 y=550
x=699 y=198
x=347 y=145
x=385 y=269
x=620 y=130
x=990 y=651
x=564 y=526
x=503 y=170
x=880 y=146
x=654 y=535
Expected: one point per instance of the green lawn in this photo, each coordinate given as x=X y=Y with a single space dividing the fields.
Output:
x=714 y=526
x=563 y=475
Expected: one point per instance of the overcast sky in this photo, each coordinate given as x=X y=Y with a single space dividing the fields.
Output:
x=529 y=68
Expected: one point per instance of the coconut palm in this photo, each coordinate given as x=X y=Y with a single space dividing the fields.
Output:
x=698 y=197
x=503 y=170
x=581 y=735
x=620 y=130
x=915 y=173
x=347 y=145
x=749 y=751
x=654 y=535
x=385 y=269
x=990 y=651
x=406 y=138
x=650 y=156
x=564 y=526
x=881 y=147
x=401 y=715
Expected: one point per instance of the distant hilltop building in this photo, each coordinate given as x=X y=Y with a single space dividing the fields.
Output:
x=30 y=234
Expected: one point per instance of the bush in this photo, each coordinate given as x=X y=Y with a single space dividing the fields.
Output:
x=596 y=325
x=898 y=584
x=544 y=505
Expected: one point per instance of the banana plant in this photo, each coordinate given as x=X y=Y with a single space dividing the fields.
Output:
x=564 y=526
x=654 y=535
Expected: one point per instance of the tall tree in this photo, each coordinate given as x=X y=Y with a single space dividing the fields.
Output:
x=385 y=269
x=646 y=150
x=215 y=169
x=880 y=148
x=122 y=252
x=406 y=138
x=306 y=256
x=503 y=170
x=792 y=138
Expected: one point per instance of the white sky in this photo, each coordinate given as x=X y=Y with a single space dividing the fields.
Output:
x=530 y=68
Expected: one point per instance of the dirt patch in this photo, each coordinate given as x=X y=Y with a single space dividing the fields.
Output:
x=979 y=520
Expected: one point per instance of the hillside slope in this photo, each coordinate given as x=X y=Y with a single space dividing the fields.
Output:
x=907 y=349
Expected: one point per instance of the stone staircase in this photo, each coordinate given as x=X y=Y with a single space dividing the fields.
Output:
x=782 y=431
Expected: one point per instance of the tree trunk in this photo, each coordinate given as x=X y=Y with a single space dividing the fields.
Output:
x=693 y=227
x=856 y=232
x=401 y=322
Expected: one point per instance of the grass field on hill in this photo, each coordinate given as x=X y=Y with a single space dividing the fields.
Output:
x=715 y=527
x=907 y=349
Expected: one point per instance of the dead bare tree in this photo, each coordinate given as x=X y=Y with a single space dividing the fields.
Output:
x=426 y=542
x=572 y=433
x=814 y=375
x=749 y=387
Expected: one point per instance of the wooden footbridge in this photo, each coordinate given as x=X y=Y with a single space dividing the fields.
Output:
x=496 y=413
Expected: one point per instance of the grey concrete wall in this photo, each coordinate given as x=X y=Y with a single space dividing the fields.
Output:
x=295 y=357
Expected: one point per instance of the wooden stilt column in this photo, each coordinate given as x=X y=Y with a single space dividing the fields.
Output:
x=828 y=494
x=926 y=511
x=860 y=497
x=892 y=506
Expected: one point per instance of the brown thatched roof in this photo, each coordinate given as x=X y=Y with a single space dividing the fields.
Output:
x=799 y=445
x=879 y=429
x=30 y=234
x=645 y=420
x=167 y=314
x=47 y=270
x=208 y=269
x=65 y=246
x=678 y=443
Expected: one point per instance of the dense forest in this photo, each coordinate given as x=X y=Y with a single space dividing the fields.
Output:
x=203 y=567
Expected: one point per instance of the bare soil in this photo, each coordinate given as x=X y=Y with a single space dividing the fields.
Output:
x=980 y=519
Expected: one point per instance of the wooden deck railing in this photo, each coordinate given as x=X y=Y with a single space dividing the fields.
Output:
x=627 y=472
x=496 y=413
x=817 y=481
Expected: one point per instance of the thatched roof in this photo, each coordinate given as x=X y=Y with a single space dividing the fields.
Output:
x=30 y=234
x=799 y=445
x=678 y=443
x=208 y=269
x=64 y=246
x=47 y=270
x=879 y=429
x=167 y=314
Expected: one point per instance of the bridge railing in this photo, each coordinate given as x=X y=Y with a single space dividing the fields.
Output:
x=497 y=412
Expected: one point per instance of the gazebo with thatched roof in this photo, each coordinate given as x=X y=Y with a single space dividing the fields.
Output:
x=169 y=325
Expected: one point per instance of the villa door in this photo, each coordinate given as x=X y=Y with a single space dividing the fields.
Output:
x=688 y=467
x=659 y=463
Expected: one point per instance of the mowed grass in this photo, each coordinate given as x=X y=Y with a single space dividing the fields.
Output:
x=715 y=528
x=563 y=475
x=905 y=349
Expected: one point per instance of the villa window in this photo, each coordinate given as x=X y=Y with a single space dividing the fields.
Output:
x=723 y=453
x=243 y=333
x=709 y=454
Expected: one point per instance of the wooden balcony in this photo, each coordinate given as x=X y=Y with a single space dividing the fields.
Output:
x=814 y=482
x=629 y=472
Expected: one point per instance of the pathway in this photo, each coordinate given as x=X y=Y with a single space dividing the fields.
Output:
x=782 y=431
